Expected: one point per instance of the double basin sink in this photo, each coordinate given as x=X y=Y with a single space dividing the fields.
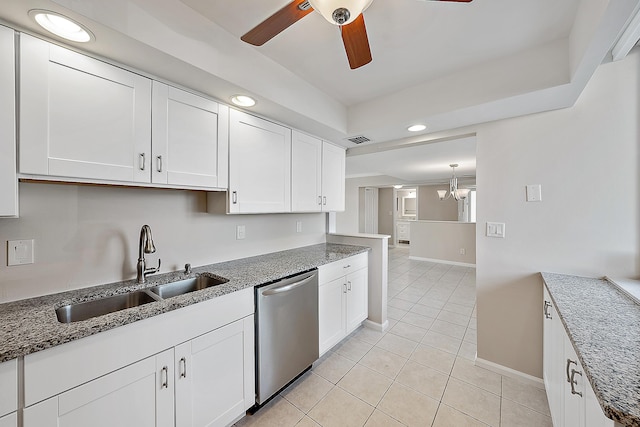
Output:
x=87 y=310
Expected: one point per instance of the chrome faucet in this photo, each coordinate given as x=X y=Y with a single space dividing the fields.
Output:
x=146 y=247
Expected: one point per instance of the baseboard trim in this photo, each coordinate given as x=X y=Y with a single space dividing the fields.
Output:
x=508 y=372
x=442 y=261
x=380 y=327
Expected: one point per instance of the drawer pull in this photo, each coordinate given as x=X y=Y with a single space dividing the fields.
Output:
x=569 y=362
x=347 y=266
x=547 y=315
x=165 y=377
x=183 y=368
x=574 y=382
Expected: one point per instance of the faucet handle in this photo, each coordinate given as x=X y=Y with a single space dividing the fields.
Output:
x=153 y=270
x=187 y=268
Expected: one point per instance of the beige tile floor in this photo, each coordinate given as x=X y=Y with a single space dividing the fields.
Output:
x=420 y=372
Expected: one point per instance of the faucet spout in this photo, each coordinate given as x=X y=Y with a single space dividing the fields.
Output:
x=145 y=246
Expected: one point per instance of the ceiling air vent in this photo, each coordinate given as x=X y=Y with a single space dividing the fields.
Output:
x=358 y=139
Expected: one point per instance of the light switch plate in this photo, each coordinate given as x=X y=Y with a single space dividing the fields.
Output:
x=298 y=226
x=19 y=252
x=534 y=193
x=240 y=232
x=495 y=229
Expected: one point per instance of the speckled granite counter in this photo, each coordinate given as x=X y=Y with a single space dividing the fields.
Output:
x=30 y=325
x=603 y=325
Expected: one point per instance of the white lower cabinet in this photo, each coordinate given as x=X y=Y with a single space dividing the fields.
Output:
x=191 y=367
x=8 y=391
x=212 y=376
x=572 y=401
x=342 y=299
x=139 y=395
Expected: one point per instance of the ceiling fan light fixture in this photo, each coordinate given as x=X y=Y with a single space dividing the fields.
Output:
x=340 y=12
x=416 y=128
x=243 y=100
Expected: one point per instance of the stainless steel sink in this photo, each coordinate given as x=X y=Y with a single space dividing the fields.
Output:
x=87 y=310
x=182 y=287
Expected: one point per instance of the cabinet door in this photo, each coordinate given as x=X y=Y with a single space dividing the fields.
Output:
x=593 y=416
x=259 y=165
x=357 y=298
x=10 y=420
x=138 y=395
x=190 y=139
x=215 y=376
x=333 y=176
x=331 y=309
x=8 y=387
x=553 y=362
x=8 y=178
x=306 y=173
x=80 y=117
x=574 y=395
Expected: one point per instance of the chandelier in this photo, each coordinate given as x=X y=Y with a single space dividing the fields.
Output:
x=454 y=191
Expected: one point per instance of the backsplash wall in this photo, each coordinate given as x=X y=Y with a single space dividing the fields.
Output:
x=88 y=235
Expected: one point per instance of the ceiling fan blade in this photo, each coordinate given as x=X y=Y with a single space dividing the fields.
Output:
x=278 y=22
x=356 y=43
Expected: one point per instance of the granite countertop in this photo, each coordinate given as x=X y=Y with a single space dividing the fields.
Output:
x=31 y=325
x=603 y=325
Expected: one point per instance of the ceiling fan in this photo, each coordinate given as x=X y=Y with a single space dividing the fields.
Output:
x=347 y=14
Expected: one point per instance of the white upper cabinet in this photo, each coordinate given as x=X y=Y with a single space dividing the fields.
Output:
x=190 y=139
x=80 y=117
x=317 y=175
x=306 y=173
x=259 y=165
x=333 y=176
x=8 y=179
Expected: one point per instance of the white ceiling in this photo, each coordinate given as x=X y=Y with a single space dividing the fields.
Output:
x=447 y=65
x=419 y=163
x=412 y=41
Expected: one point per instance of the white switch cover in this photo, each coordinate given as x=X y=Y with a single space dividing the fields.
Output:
x=19 y=252
x=299 y=226
x=495 y=229
x=240 y=232
x=534 y=193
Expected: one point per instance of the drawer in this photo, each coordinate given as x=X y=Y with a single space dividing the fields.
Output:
x=8 y=387
x=334 y=270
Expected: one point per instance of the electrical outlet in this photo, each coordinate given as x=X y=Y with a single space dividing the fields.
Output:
x=463 y=251
x=19 y=252
x=298 y=226
x=240 y=232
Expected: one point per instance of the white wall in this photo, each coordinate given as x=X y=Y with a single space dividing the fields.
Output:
x=88 y=235
x=587 y=160
x=443 y=240
x=588 y=222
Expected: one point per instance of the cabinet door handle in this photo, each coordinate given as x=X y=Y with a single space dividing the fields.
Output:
x=324 y=200
x=159 y=158
x=142 y=162
x=183 y=368
x=234 y=197
x=320 y=200
x=547 y=315
x=165 y=377
x=574 y=382
x=569 y=362
x=349 y=285
x=345 y=288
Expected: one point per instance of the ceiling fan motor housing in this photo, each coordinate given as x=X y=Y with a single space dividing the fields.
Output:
x=341 y=15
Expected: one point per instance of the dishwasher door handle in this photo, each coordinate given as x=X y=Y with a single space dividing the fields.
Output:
x=286 y=288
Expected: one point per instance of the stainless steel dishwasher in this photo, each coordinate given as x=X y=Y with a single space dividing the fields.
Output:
x=286 y=332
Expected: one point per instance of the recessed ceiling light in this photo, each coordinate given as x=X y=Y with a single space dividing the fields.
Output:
x=416 y=128
x=61 y=26
x=243 y=100
x=397 y=186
